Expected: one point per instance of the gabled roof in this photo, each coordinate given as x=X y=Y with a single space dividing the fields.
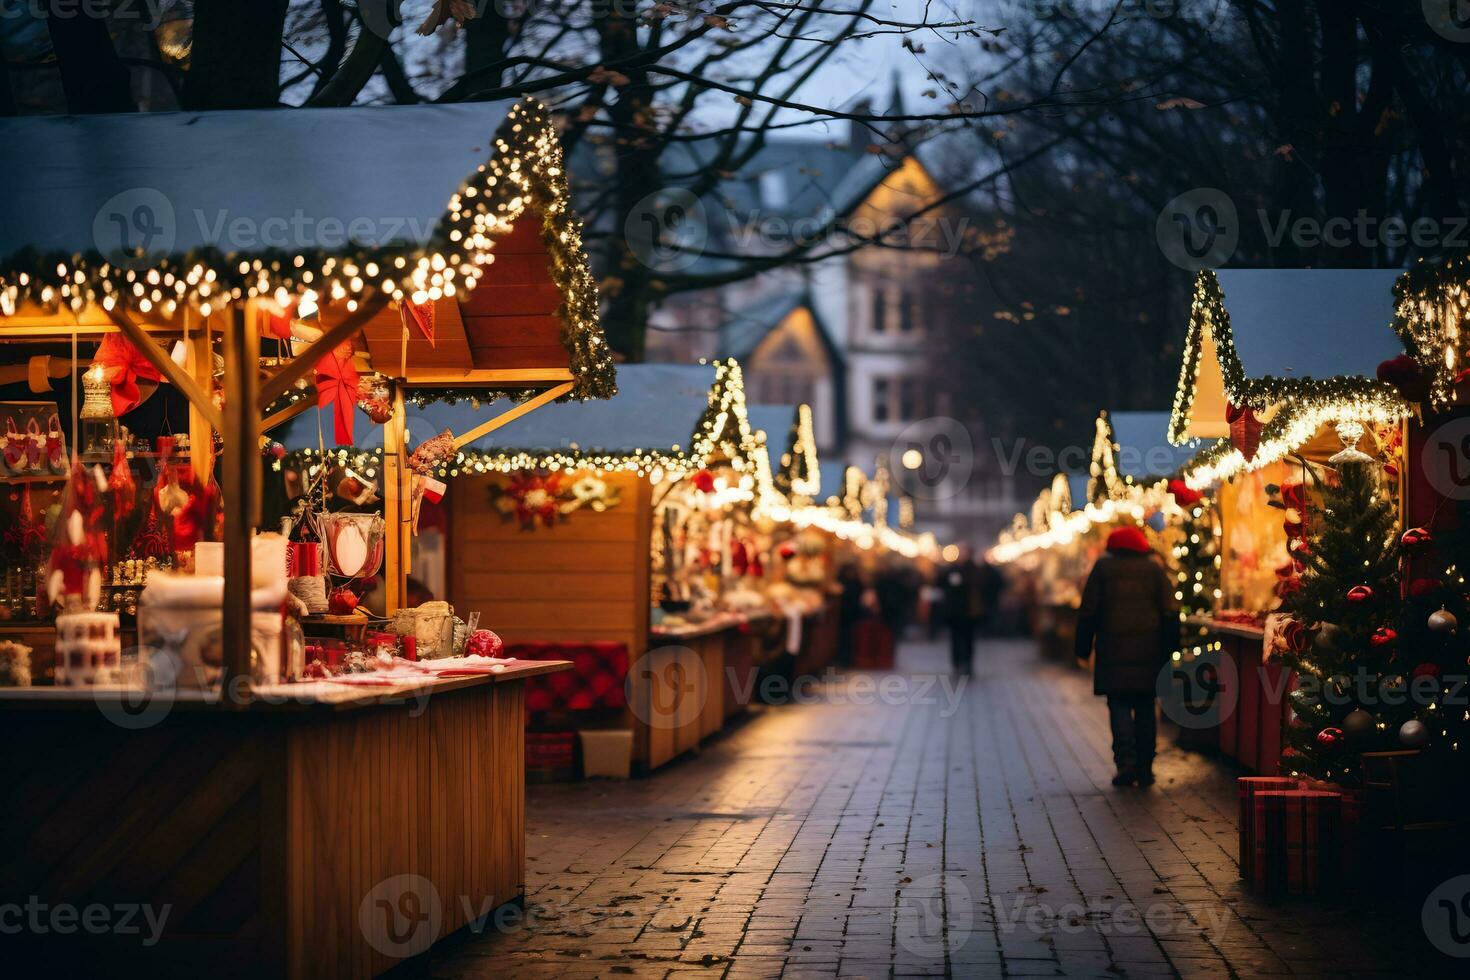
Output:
x=1257 y=337
x=745 y=327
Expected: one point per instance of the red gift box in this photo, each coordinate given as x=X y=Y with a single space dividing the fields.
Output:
x=1298 y=841
x=1248 y=787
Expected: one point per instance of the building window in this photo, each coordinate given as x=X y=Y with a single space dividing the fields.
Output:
x=908 y=312
x=880 y=310
x=882 y=390
x=909 y=397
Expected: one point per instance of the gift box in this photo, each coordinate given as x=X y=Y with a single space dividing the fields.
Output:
x=1298 y=842
x=1247 y=787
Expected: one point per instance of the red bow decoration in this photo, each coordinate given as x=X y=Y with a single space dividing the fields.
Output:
x=422 y=317
x=125 y=366
x=1182 y=494
x=1245 y=430
x=338 y=384
x=275 y=321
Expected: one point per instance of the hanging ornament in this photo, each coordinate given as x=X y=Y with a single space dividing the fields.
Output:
x=124 y=487
x=1349 y=431
x=1357 y=723
x=1360 y=593
x=1245 y=430
x=432 y=453
x=1413 y=733
x=274 y=450
x=1384 y=636
x=1422 y=588
x=1417 y=539
x=704 y=481
x=1329 y=737
x=1443 y=621
x=337 y=384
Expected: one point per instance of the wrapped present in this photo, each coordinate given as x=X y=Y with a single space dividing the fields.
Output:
x=1298 y=842
x=1247 y=787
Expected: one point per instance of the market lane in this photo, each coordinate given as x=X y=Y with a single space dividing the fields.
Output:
x=976 y=838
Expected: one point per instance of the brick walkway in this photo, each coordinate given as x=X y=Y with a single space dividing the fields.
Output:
x=845 y=839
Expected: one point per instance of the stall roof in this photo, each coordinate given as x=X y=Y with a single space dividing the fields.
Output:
x=656 y=408
x=1144 y=451
x=1311 y=323
x=1260 y=337
x=240 y=181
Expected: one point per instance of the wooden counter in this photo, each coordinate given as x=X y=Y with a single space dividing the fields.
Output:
x=1250 y=732
x=280 y=836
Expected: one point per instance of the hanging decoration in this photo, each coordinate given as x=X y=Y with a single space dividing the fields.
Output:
x=376 y=399
x=1433 y=305
x=432 y=453
x=530 y=498
x=1245 y=430
x=74 y=571
x=124 y=366
x=337 y=384
x=124 y=487
x=421 y=317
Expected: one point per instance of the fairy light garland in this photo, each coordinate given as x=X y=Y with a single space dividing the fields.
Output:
x=1432 y=318
x=800 y=475
x=526 y=170
x=1208 y=314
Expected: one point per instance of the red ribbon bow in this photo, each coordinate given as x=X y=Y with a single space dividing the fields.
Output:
x=125 y=365
x=338 y=384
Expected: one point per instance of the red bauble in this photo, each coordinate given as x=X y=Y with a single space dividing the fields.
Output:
x=484 y=643
x=1359 y=593
x=1384 y=636
x=1416 y=539
x=787 y=551
x=1426 y=670
x=704 y=481
x=1422 y=587
x=1245 y=430
x=342 y=601
x=1329 y=736
x=1182 y=494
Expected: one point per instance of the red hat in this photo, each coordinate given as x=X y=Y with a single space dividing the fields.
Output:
x=1128 y=539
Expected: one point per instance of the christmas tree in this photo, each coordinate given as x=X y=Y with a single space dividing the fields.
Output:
x=1351 y=694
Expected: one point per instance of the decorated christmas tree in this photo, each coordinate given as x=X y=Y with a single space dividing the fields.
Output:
x=1352 y=689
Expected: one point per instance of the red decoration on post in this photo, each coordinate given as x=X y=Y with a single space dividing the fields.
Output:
x=421 y=317
x=125 y=366
x=338 y=385
x=1245 y=430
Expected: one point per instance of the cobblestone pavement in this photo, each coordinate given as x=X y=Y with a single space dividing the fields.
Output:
x=920 y=838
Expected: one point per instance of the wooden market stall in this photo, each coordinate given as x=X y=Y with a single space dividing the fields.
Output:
x=247 y=266
x=1277 y=377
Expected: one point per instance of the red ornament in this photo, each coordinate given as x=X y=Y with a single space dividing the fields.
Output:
x=1329 y=736
x=787 y=551
x=1427 y=670
x=484 y=643
x=1416 y=539
x=1384 y=636
x=379 y=410
x=1245 y=430
x=704 y=481
x=1359 y=593
x=1182 y=494
x=1422 y=587
x=339 y=385
x=342 y=602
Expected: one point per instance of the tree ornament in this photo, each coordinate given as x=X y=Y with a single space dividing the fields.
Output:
x=1427 y=669
x=1360 y=593
x=1423 y=588
x=1245 y=430
x=704 y=481
x=1329 y=737
x=1339 y=685
x=1349 y=431
x=1358 y=723
x=1443 y=621
x=1414 y=733
x=1416 y=539
x=1384 y=636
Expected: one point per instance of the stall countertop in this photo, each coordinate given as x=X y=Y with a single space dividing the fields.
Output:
x=302 y=697
x=707 y=627
x=1225 y=627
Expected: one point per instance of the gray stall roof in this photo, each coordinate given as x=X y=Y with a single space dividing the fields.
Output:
x=242 y=182
x=1144 y=450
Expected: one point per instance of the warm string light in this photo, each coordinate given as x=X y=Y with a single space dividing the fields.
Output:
x=1431 y=315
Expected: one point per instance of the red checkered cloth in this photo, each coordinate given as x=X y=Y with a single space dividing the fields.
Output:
x=546 y=751
x=1298 y=841
x=596 y=679
x=1248 y=787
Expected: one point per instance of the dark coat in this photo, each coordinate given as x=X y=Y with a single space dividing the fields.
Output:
x=1128 y=609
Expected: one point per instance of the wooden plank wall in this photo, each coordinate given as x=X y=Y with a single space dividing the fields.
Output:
x=585 y=579
x=510 y=317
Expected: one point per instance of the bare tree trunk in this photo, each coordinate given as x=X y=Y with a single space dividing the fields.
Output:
x=91 y=74
x=236 y=62
x=486 y=39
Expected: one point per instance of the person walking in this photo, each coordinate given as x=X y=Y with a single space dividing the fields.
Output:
x=1128 y=616
x=964 y=606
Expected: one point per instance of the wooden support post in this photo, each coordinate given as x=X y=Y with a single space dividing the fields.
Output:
x=282 y=415
x=242 y=486
x=397 y=506
x=200 y=365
